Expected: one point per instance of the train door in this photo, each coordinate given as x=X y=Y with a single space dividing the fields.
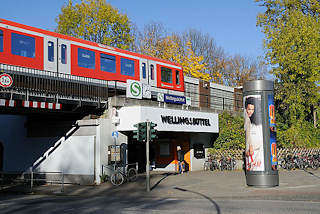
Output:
x=64 y=56
x=152 y=73
x=144 y=75
x=50 y=53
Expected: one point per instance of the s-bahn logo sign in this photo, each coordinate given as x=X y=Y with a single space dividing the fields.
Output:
x=5 y=80
x=134 y=89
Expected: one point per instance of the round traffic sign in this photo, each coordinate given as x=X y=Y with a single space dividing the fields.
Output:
x=5 y=80
x=115 y=134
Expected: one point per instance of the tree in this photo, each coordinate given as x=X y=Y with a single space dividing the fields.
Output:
x=292 y=41
x=198 y=54
x=238 y=69
x=223 y=69
x=149 y=40
x=193 y=65
x=204 y=45
x=96 y=21
x=154 y=41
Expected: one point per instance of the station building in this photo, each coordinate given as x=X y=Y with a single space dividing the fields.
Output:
x=82 y=149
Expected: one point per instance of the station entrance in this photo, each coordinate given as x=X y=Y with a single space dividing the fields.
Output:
x=162 y=152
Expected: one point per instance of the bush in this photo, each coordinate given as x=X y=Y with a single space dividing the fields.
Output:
x=299 y=135
x=232 y=135
x=231 y=132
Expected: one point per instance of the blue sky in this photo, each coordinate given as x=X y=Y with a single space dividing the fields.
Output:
x=232 y=23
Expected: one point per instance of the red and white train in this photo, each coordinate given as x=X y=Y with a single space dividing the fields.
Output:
x=26 y=46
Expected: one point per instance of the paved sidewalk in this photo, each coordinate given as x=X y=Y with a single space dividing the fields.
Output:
x=294 y=185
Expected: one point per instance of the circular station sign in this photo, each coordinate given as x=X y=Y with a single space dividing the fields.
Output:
x=5 y=80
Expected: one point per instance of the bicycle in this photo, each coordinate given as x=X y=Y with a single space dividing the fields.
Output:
x=207 y=165
x=121 y=174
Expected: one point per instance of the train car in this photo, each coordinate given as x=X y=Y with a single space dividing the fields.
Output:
x=30 y=47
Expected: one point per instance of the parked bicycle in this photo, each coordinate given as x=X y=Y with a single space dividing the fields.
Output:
x=300 y=161
x=227 y=163
x=121 y=174
x=222 y=163
x=211 y=163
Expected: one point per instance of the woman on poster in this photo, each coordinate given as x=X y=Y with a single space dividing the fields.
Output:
x=254 y=135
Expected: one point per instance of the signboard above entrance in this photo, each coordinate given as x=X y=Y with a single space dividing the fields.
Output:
x=172 y=120
x=169 y=98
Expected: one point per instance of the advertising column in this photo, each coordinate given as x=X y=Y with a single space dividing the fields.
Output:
x=259 y=125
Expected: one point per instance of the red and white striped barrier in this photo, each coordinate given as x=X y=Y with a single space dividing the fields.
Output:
x=31 y=104
x=7 y=103
x=42 y=105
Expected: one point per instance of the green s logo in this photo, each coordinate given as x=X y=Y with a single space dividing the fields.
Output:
x=135 y=89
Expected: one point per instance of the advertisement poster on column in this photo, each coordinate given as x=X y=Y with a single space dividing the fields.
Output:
x=272 y=127
x=254 y=133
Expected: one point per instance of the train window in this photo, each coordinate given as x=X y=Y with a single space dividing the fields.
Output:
x=152 y=72
x=177 y=77
x=1 y=40
x=22 y=45
x=108 y=63
x=50 y=51
x=166 y=75
x=127 y=67
x=64 y=54
x=144 y=72
x=86 y=58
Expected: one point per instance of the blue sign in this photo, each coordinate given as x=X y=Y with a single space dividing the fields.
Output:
x=169 y=98
x=115 y=134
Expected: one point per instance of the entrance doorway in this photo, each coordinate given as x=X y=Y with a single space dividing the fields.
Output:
x=137 y=154
x=163 y=151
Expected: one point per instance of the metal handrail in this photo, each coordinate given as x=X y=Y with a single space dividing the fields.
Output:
x=32 y=178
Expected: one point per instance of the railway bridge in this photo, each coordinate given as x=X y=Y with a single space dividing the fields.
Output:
x=53 y=124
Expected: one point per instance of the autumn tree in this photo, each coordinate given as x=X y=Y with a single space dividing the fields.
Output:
x=96 y=21
x=171 y=48
x=194 y=65
x=223 y=69
x=205 y=46
x=148 y=41
x=292 y=35
x=238 y=69
x=154 y=41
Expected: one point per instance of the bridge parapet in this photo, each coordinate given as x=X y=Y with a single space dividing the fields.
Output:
x=50 y=87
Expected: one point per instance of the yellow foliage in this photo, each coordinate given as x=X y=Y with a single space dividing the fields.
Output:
x=97 y=21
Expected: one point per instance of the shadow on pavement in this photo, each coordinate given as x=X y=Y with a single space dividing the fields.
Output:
x=164 y=177
x=206 y=197
x=311 y=173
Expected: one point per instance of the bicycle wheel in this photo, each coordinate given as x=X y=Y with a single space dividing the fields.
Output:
x=117 y=179
x=132 y=174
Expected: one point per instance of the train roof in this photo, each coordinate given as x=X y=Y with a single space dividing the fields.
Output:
x=66 y=37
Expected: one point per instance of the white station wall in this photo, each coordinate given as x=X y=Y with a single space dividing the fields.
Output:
x=74 y=156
